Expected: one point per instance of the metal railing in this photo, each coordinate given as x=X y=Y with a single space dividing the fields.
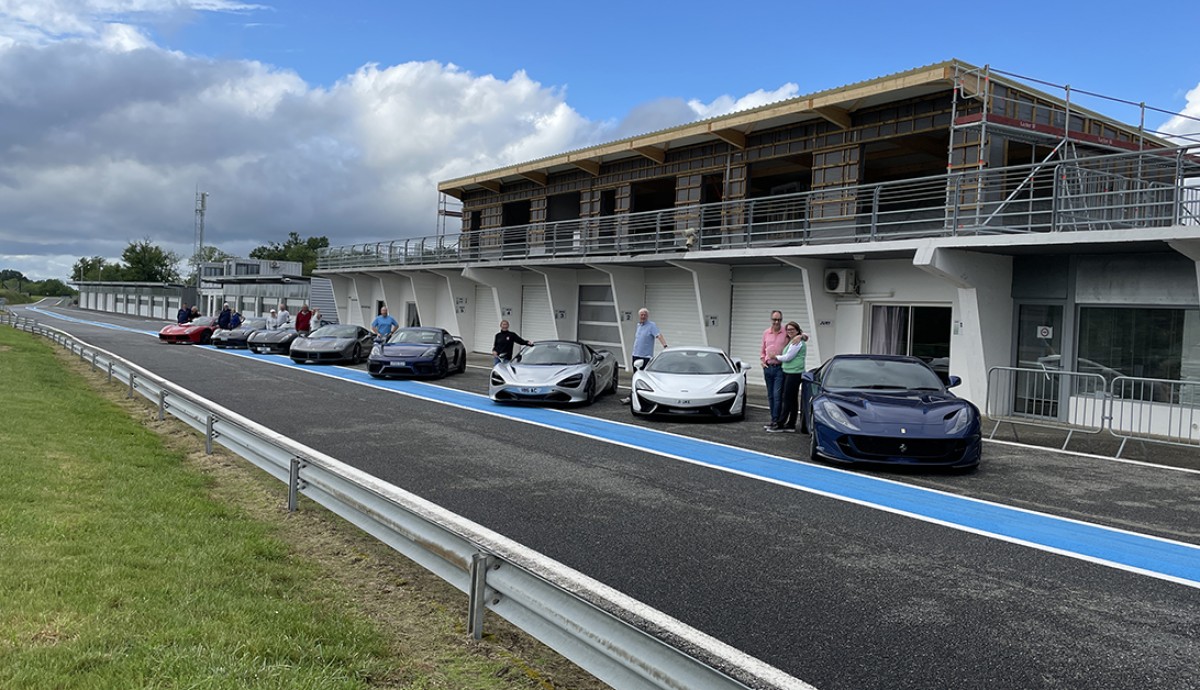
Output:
x=1117 y=191
x=1145 y=409
x=614 y=637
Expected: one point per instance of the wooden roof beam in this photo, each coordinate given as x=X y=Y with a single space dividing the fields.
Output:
x=834 y=114
x=734 y=137
x=490 y=185
x=658 y=154
x=589 y=166
x=538 y=178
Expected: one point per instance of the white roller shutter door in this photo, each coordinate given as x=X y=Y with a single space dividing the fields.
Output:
x=537 y=322
x=752 y=305
x=487 y=322
x=673 y=307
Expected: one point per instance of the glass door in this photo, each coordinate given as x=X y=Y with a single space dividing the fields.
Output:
x=1039 y=346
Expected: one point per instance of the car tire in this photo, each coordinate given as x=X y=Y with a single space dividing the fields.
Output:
x=358 y=356
x=812 y=446
x=443 y=366
x=462 y=363
x=205 y=338
x=612 y=383
x=589 y=391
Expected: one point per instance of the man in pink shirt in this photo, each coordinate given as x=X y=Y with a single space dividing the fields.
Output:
x=773 y=342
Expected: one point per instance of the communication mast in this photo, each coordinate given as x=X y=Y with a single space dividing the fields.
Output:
x=198 y=251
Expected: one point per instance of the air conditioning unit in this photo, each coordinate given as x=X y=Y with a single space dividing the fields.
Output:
x=840 y=281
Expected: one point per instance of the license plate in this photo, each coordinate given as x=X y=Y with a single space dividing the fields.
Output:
x=531 y=391
x=401 y=364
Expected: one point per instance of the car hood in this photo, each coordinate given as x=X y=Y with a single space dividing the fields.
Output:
x=233 y=331
x=323 y=343
x=273 y=336
x=404 y=349
x=917 y=407
x=692 y=384
x=539 y=373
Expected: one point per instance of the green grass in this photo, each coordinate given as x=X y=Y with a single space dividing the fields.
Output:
x=123 y=566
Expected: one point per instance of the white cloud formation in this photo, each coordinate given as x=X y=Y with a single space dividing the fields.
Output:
x=1185 y=127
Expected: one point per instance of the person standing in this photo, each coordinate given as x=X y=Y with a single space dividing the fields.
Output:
x=184 y=313
x=384 y=325
x=774 y=340
x=225 y=318
x=502 y=345
x=304 y=320
x=792 y=361
x=285 y=316
x=316 y=319
x=643 y=342
x=273 y=321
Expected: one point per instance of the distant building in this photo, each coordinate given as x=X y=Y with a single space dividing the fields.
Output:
x=950 y=212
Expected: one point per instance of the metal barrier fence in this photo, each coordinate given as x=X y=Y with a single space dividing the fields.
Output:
x=614 y=637
x=1151 y=410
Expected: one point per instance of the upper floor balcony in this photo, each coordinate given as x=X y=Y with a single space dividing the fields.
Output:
x=1114 y=192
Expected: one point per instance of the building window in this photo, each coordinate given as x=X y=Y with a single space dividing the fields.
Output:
x=1140 y=342
x=922 y=332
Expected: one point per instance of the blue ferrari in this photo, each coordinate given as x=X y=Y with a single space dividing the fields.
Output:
x=889 y=409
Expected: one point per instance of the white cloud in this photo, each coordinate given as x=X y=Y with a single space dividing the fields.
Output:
x=107 y=137
x=1185 y=127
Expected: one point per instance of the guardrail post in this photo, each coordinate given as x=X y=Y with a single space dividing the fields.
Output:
x=162 y=404
x=477 y=603
x=110 y=366
x=94 y=365
x=130 y=393
x=295 y=483
x=208 y=434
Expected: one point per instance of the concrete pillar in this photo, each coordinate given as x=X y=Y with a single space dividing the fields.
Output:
x=629 y=291
x=984 y=283
x=714 y=298
x=562 y=284
x=460 y=319
x=506 y=286
x=836 y=328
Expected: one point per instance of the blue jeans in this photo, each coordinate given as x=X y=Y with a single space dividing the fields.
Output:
x=774 y=378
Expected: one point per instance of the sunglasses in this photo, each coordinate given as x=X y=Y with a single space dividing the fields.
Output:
x=777 y=319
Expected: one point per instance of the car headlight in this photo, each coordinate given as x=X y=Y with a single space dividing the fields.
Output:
x=376 y=350
x=497 y=379
x=571 y=381
x=958 y=421
x=729 y=388
x=838 y=415
x=429 y=352
x=642 y=386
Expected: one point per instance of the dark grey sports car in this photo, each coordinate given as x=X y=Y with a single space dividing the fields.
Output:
x=237 y=337
x=334 y=343
x=268 y=342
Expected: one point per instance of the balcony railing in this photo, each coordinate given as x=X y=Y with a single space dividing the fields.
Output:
x=1121 y=191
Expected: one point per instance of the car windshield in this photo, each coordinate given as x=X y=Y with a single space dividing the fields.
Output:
x=335 y=331
x=204 y=321
x=690 y=362
x=880 y=374
x=416 y=336
x=552 y=353
x=253 y=324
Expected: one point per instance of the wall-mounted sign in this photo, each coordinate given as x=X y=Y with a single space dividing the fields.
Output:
x=824 y=323
x=626 y=315
x=1045 y=332
x=460 y=300
x=560 y=313
x=506 y=311
x=711 y=320
x=460 y=309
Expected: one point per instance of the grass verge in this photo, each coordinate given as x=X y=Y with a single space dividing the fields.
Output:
x=133 y=560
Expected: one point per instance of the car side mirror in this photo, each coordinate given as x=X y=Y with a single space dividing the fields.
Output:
x=640 y=365
x=741 y=366
x=954 y=381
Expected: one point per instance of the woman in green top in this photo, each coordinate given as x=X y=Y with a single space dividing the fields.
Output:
x=793 y=368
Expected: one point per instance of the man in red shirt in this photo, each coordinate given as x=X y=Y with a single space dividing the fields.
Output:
x=774 y=339
x=304 y=320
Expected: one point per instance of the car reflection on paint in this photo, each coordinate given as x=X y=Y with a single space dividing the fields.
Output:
x=889 y=409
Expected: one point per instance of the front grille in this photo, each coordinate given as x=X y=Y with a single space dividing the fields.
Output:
x=916 y=449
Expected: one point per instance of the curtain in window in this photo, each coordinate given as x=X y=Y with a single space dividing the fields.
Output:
x=889 y=330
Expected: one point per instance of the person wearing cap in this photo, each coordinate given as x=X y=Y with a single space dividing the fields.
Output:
x=273 y=321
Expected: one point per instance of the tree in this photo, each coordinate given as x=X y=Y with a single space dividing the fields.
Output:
x=13 y=279
x=90 y=268
x=147 y=262
x=294 y=249
x=51 y=288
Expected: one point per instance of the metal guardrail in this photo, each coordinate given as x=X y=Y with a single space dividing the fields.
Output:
x=1118 y=191
x=612 y=636
x=1129 y=408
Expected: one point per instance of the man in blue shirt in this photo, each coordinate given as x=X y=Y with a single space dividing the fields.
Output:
x=643 y=341
x=384 y=325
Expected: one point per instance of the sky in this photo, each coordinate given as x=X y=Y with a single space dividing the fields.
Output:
x=340 y=117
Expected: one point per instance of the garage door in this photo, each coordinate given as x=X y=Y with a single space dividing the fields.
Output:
x=752 y=305
x=673 y=307
x=537 y=322
x=487 y=323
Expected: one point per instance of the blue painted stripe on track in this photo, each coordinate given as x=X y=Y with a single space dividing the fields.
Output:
x=1161 y=558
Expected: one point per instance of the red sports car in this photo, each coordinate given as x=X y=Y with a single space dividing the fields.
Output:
x=197 y=330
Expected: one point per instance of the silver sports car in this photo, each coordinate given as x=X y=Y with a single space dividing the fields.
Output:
x=558 y=371
x=690 y=381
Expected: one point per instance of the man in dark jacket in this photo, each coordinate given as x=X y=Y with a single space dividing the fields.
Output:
x=184 y=314
x=502 y=347
x=225 y=318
